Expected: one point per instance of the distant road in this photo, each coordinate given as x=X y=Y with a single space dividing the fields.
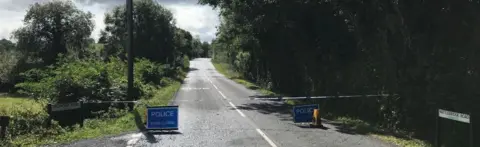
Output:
x=217 y=112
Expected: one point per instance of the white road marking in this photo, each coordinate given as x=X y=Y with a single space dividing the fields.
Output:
x=222 y=94
x=266 y=138
x=188 y=100
x=205 y=75
x=243 y=115
x=235 y=107
x=189 y=88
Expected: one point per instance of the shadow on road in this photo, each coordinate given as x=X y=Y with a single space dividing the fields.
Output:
x=279 y=109
x=279 y=98
x=164 y=132
x=284 y=113
x=268 y=107
x=309 y=126
x=192 y=69
x=143 y=129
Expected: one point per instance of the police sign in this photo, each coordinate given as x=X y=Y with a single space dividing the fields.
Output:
x=162 y=118
x=304 y=113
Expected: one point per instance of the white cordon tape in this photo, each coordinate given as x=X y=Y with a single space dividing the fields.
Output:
x=317 y=97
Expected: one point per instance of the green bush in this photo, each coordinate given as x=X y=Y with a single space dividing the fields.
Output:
x=186 y=62
x=90 y=80
x=148 y=71
x=29 y=120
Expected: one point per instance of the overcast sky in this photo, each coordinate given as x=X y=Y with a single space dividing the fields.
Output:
x=198 y=19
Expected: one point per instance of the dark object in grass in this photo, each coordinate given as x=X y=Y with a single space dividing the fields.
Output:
x=4 y=121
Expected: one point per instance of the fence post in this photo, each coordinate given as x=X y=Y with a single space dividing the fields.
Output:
x=49 y=118
x=130 y=106
x=4 y=122
x=471 y=130
x=437 y=130
x=82 y=113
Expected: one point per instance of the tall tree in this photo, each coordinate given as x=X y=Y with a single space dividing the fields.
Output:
x=153 y=29
x=53 y=27
x=197 y=50
x=6 y=45
x=423 y=53
x=183 y=41
x=206 y=49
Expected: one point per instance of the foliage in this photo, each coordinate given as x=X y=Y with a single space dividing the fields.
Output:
x=27 y=116
x=363 y=127
x=9 y=103
x=183 y=42
x=197 y=48
x=404 y=142
x=422 y=53
x=153 y=31
x=226 y=70
x=53 y=27
x=6 y=45
x=90 y=80
x=186 y=62
x=206 y=49
x=8 y=62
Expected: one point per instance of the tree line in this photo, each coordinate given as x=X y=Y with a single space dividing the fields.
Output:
x=422 y=53
x=56 y=30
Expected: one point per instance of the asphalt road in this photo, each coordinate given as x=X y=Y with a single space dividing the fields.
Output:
x=217 y=112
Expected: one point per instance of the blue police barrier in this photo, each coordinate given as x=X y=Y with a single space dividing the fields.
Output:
x=162 y=118
x=303 y=113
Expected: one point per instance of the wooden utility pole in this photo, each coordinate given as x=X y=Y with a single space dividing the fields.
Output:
x=130 y=51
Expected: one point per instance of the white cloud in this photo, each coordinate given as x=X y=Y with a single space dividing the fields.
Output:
x=11 y=20
x=199 y=20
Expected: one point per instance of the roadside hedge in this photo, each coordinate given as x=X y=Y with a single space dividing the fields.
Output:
x=90 y=80
x=82 y=80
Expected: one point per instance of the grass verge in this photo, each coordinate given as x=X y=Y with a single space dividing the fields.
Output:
x=403 y=142
x=349 y=123
x=363 y=127
x=227 y=71
x=399 y=139
x=94 y=128
x=8 y=102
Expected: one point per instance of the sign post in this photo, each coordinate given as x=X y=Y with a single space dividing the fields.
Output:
x=471 y=131
x=162 y=118
x=460 y=117
x=304 y=113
